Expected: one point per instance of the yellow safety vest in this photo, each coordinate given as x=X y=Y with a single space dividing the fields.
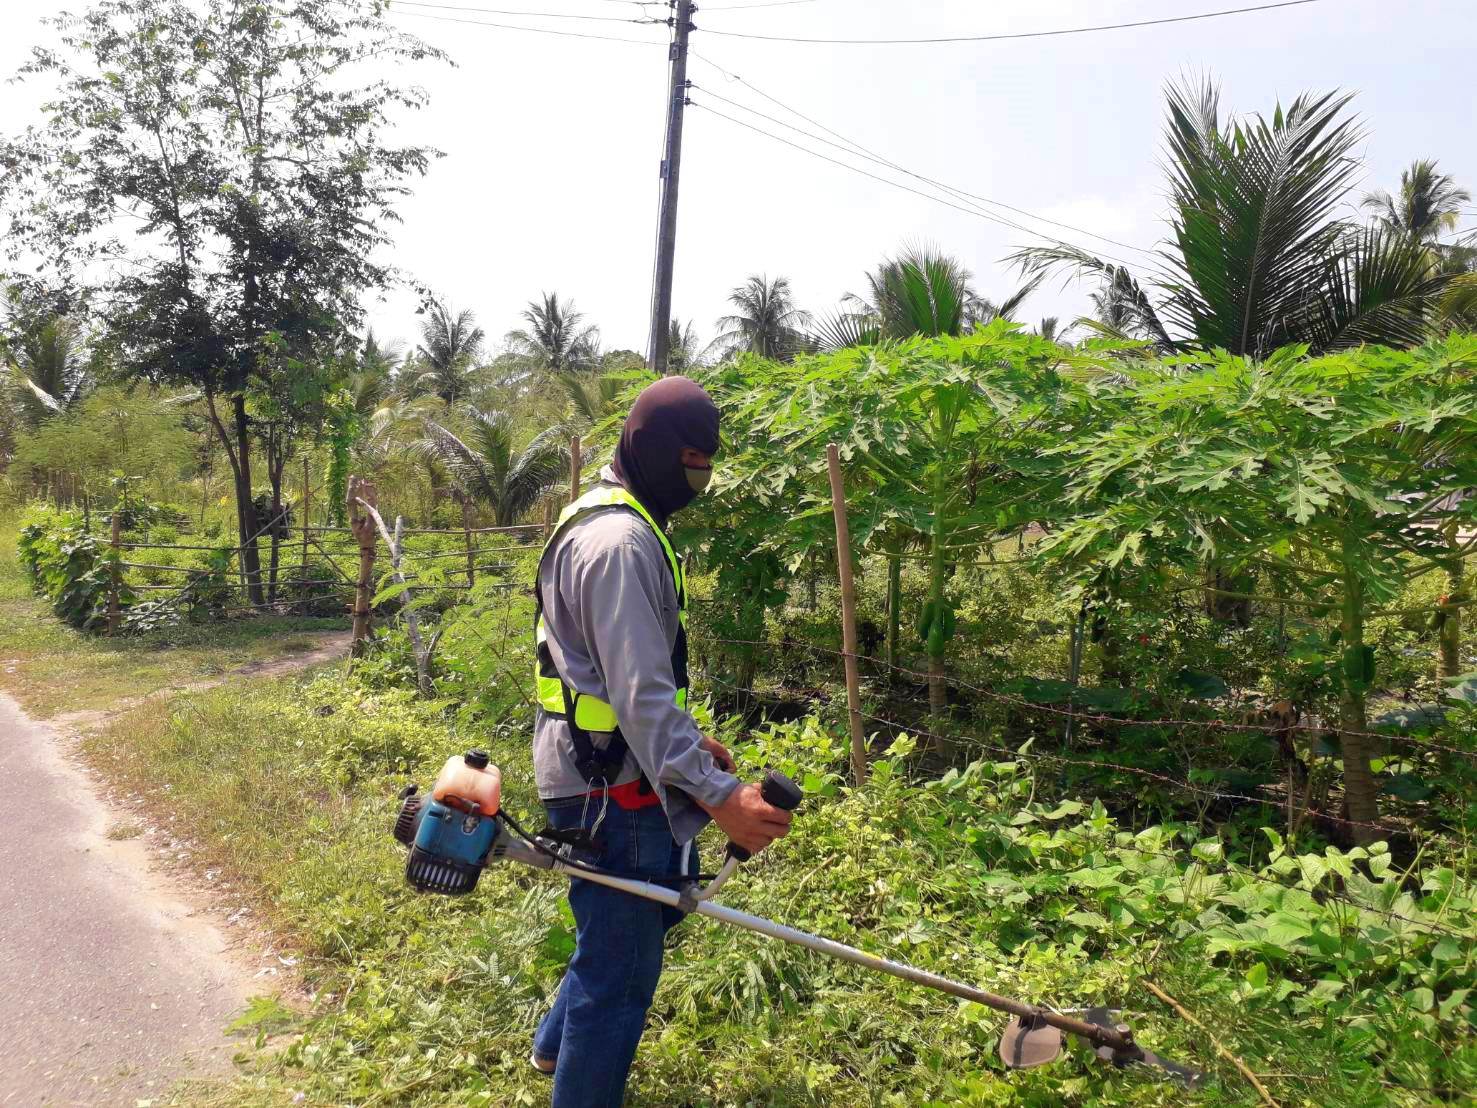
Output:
x=586 y=713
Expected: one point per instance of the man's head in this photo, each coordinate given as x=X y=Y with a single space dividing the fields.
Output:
x=665 y=456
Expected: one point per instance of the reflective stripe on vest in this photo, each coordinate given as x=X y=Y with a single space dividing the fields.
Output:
x=590 y=712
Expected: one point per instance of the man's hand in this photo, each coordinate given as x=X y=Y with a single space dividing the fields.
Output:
x=749 y=820
x=720 y=754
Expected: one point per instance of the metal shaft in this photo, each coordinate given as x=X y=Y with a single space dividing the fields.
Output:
x=1100 y=1036
x=666 y=243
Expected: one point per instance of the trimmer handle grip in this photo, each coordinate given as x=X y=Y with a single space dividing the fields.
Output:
x=778 y=790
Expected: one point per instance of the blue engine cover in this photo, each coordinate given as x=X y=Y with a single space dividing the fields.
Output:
x=451 y=836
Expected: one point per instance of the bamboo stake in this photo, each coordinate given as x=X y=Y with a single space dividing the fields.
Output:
x=848 y=618
x=115 y=614
x=574 y=469
x=362 y=492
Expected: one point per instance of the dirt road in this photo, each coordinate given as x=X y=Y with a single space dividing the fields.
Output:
x=112 y=986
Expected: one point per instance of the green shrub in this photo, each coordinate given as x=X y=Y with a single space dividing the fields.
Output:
x=70 y=567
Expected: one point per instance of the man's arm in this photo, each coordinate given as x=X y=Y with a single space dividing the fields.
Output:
x=619 y=599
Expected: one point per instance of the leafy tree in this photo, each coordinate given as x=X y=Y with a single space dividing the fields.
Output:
x=556 y=338
x=766 y=321
x=1428 y=204
x=941 y=437
x=450 y=346
x=1333 y=476
x=684 y=350
x=113 y=430
x=231 y=167
x=921 y=292
x=1257 y=259
x=488 y=469
x=45 y=352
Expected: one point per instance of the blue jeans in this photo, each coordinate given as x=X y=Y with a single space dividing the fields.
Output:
x=600 y=1011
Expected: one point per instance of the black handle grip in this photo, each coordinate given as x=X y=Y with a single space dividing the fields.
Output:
x=778 y=790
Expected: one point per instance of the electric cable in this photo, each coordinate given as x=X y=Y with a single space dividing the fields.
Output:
x=535 y=30
x=514 y=11
x=763 y=4
x=1015 y=34
x=858 y=150
x=895 y=184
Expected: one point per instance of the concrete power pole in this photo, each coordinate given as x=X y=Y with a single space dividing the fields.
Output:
x=666 y=243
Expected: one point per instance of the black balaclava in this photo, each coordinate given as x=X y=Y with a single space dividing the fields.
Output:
x=669 y=415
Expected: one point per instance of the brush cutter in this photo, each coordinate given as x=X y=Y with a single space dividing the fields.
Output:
x=460 y=828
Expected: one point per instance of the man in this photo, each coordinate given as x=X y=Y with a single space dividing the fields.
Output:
x=616 y=753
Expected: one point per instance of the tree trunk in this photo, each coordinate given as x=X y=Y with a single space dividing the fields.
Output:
x=894 y=608
x=938 y=693
x=251 y=559
x=1361 y=798
x=1450 y=613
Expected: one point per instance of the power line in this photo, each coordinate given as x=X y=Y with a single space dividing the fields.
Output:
x=858 y=150
x=535 y=30
x=883 y=180
x=537 y=15
x=765 y=4
x=872 y=153
x=1014 y=35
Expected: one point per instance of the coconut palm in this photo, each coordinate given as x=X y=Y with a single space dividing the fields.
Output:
x=766 y=321
x=557 y=338
x=50 y=368
x=924 y=292
x=1257 y=259
x=683 y=351
x=486 y=468
x=450 y=346
x=1429 y=204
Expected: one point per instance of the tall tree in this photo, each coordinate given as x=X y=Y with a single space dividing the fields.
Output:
x=685 y=351
x=922 y=292
x=488 y=469
x=50 y=367
x=556 y=337
x=766 y=321
x=450 y=346
x=1427 y=205
x=230 y=162
x=1258 y=258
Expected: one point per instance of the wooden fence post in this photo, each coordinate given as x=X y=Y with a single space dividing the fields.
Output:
x=549 y=516
x=307 y=492
x=115 y=612
x=365 y=532
x=467 y=537
x=848 y=618
x=574 y=469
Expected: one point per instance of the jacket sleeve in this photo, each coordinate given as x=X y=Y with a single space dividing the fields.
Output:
x=620 y=600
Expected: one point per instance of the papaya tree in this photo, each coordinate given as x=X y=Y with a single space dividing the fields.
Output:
x=943 y=443
x=1338 y=477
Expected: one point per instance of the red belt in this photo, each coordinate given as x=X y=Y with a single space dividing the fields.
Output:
x=631 y=797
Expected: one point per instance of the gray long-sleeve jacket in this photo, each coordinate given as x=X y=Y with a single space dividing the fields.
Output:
x=611 y=617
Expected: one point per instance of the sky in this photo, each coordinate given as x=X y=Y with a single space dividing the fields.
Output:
x=549 y=180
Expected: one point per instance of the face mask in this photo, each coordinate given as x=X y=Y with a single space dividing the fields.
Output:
x=698 y=479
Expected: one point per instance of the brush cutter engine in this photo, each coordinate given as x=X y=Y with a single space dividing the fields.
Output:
x=459 y=828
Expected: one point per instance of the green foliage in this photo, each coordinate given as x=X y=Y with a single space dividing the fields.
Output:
x=69 y=567
x=973 y=874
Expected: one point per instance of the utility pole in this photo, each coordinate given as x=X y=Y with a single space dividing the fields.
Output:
x=666 y=243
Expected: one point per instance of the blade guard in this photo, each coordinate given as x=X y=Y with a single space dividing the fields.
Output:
x=1029 y=1043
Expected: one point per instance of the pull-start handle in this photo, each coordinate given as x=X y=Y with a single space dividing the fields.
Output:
x=781 y=792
